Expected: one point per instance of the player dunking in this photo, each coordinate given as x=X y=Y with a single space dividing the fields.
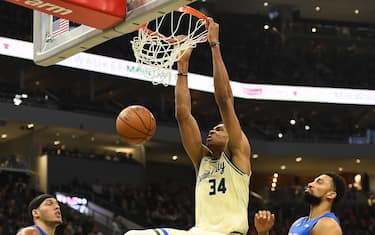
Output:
x=222 y=165
x=45 y=212
x=321 y=194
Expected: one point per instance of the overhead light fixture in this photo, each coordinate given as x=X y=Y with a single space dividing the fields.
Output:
x=282 y=167
x=265 y=4
x=317 y=8
x=356 y=11
x=266 y=26
x=17 y=101
x=4 y=136
x=30 y=125
x=314 y=29
x=255 y=156
x=298 y=159
x=280 y=135
x=307 y=127
x=174 y=157
x=56 y=142
x=275 y=175
x=340 y=169
x=292 y=122
x=357 y=160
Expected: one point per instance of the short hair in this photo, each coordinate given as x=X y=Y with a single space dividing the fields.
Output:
x=35 y=203
x=339 y=185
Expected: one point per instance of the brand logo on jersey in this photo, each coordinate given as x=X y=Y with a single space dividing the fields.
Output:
x=219 y=167
x=42 y=5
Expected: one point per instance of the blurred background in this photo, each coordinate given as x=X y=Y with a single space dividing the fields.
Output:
x=57 y=124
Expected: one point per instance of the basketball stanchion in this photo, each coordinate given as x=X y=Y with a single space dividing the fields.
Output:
x=156 y=46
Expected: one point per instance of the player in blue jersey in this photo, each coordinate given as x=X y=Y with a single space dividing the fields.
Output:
x=321 y=194
x=45 y=212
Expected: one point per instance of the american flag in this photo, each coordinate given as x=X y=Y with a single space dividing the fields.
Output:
x=59 y=27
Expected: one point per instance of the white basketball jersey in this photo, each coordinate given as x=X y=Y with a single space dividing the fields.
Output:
x=222 y=196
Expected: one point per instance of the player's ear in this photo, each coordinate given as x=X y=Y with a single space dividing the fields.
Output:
x=331 y=195
x=35 y=213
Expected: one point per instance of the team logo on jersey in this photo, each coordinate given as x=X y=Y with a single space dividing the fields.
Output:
x=218 y=167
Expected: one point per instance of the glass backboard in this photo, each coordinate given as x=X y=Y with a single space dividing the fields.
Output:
x=56 y=39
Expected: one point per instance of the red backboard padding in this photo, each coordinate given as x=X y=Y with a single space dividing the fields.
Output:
x=100 y=14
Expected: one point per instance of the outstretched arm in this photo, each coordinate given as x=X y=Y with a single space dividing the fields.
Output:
x=238 y=145
x=189 y=130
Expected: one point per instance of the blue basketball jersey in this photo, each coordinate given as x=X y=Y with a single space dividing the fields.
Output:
x=40 y=230
x=303 y=226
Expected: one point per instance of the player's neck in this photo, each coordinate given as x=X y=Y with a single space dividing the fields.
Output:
x=48 y=228
x=319 y=210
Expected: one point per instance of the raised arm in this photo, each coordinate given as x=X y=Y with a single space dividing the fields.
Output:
x=189 y=130
x=263 y=221
x=238 y=145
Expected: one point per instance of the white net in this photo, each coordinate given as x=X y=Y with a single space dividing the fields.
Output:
x=157 y=46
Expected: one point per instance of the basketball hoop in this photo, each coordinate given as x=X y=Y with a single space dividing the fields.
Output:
x=157 y=46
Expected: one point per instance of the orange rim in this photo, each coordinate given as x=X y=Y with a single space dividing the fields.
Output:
x=184 y=9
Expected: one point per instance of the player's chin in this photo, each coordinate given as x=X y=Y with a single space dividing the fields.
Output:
x=58 y=220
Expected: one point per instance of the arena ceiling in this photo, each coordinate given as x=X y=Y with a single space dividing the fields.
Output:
x=333 y=10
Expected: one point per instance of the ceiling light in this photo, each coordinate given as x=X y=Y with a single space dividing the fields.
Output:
x=17 y=101
x=174 y=157
x=292 y=122
x=4 y=136
x=275 y=175
x=273 y=185
x=298 y=159
x=357 y=178
x=314 y=29
x=280 y=135
x=341 y=169
x=255 y=156
x=307 y=127
x=274 y=180
x=92 y=138
x=56 y=142
x=357 y=160
x=265 y=4
x=282 y=167
x=317 y=8
x=356 y=11
x=30 y=125
x=266 y=26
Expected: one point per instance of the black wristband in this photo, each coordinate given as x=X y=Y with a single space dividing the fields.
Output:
x=212 y=44
x=182 y=74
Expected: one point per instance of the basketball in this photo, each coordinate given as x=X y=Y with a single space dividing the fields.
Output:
x=136 y=124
